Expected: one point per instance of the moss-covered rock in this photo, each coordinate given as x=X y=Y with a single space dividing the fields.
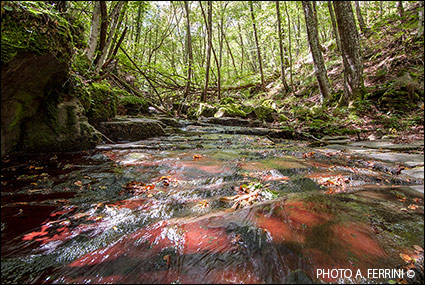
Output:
x=129 y=104
x=205 y=110
x=33 y=27
x=264 y=113
x=37 y=46
x=65 y=129
x=103 y=102
x=230 y=110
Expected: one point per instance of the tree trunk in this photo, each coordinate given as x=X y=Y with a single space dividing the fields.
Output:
x=103 y=30
x=319 y=64
x=362 y=25
x=242 y=47
x=231 y=54
x=289 y=48
x=209 y=42
x=350 y=49
x=258 y=46
x=189 y=49
x=421 y=20
x=94 y=31
x=120 y=21
x=400 y=9
x=334 y=27
x=114 y=21
x=282 y=65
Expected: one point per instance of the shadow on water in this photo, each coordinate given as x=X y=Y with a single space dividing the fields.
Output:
x=226 y=209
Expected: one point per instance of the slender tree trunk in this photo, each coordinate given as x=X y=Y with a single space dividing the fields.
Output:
x=313 y=39
x=282 y=65
x=362 y=25
x=231 y=54
x=350 y=49
x=114 y=16
x=209 y=43
x=189 y=49
x=138 y=23
x=94 y=31
x=242 y=47
x=290 y=47
x=298 y=34
x=258 y=46
x=420 y=30
x=400 y=9
x=334 y=27
x=120 y=21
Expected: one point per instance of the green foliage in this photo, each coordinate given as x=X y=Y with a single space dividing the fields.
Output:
x=32 y=26
x=361 y=106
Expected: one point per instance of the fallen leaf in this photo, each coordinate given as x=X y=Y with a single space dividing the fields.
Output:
x=405 y=257
x=412 y=207
x=203 y=204
x=197 y=156
x=79 y=215
x=167 y=258
x=78 y=183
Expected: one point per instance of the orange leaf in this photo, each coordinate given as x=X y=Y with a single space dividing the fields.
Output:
x=405 y=257
x=167 y=258
x=197 y=156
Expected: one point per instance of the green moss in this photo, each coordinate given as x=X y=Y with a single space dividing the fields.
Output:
x=134 y=104
x=78 y=89
x=103 y=102
x=19 y=114
x=264 y=113
x=81 y=64
x=227 y=100
x=33 y=27
x=205 y=110
x=230 y=110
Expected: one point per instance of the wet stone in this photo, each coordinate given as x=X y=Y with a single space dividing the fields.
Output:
x=384 y=144
x=131 y=129
x=180 y=222
x=417 y=172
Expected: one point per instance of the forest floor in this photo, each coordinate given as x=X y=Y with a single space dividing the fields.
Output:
x=393 y=105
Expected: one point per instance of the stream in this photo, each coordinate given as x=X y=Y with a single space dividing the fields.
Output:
x=205 y=205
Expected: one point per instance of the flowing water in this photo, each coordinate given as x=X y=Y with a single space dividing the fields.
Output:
x=202 y=206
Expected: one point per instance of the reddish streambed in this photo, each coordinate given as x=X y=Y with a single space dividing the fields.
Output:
x=167 y=214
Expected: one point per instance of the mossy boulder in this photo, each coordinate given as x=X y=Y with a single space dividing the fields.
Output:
x=33 y=27
x=129 y=104
x=37 y=46
x=230 y=110
x=66 y=129
x=103 y=102
x=205 y=110
x=264 y=113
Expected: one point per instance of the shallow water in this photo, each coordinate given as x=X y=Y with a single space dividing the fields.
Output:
x=155 y=211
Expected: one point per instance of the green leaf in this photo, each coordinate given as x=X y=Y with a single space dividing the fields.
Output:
x=8 y=8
